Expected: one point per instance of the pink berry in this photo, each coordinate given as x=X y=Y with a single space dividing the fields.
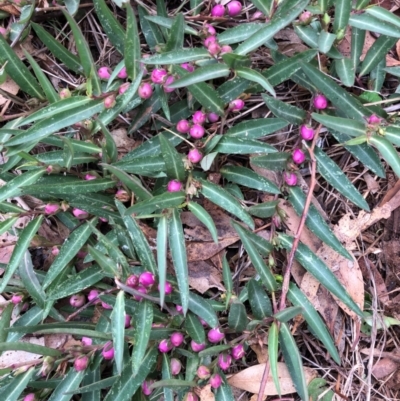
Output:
x=127 y=321
x=50 y=208
x=307 y=132
x=104 y=73
x=373 y=119
x=16 y=298
x=174 y=186
x=320 y=102
x=298 y=156
x=183 y=126
x=145 y=91
x=175 y=366
x=199 y=117
x=196 y=347
x=209 y=40
x=236 y=105
x=3 y=31
x=65 y=93
x=215 y=335
x=177 y=339
x=210 y=30
x=122 y=74
x=81 y=363
x=203 y=323
x=86 y=341
x=194 y=156
x=170 y=79
x=93 y=295
x=168 y=288
x=109 y=102
x=80 y=214
x=305 y=17
x=234 y=8
x=196 y=131
x=179 y=309
x=146 y=387
x=212 y=117
x=290 y=179
x=30 y=397
x=77 y=300
x=190 y=396
x=224 y=361
x=108 y=351
x=122 y=195
x=132 y=281
x=158 y=75
x=147 y=279
x=218 y=11
x=214 y=49
x=123 y=88
x=203 y=372
x=165 y=346
x=81 y=254
x=90 y=177
x=55 y=250
x=238 y=351
x=226 y=49
x=141 y=289
x=257 y=15
x=106 y=306
x=215 y=380
x=187 y=67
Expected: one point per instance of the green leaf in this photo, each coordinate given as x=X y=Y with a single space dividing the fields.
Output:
x=345 y=70
x=143 y=320
x=268 y=31
x=15 y=186
x=334 y=175
x=172 y=383
x=17 y=386
x=162 y=244
x=5 y=321
x=110 y=146
x=290 y=113
x=224 y=393
x=342 y=15
x=166 y=374
x=18 y=71
x=325 y=41
x=256 y=259
x=292 y=358
x=288 y=313
x=254 y=129
x=313 y=319
x=376 y=52
x=194 y=328
x=357 y=45
x=140 y=243
x=265 y=6
x=20 y=249
x=184 y=55
x=373 y=24
x=163 y=201
x=99 y=385
x=31 y=317
x=168 y=22
x=173 y=160
x=273 y=339
x=151 y=31
x=235 y=61
x=384 y=15
x=76 y=283
x=392 y=134
x=339 y=97
x=59 y=51
x=70 y=382
x=205 y=218
x=317 y=388
x=274 y=161
x=315 y=222
x=225 y=200
x=69 y=249
x=7 y=224
x=215 y=350
x=314 y=265
x=203 y=309
x=202 y=74
x=118 y=330
x=58 y=121
x=248 y=178
x=29 y=347
x=237 y=317
x=260 y=303
x=255 y=76
x=176 y=34
x=132 y=51
x=91 y=377
x=239 y=33
x=387 y=151
x=238 y=146
x=176 y=240
x=228 y=281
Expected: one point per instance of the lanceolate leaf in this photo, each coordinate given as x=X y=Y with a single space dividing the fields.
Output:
x=237 y=317
x=176 y=34
x=387 y=151
x=118 y=329
x=172 y=159
x=168 y=22
x=239 y=33
x=357 y=44
x=274 y=161
x=177 y=56
x=371 y=23
x=256 y=259
x=200 y=307
x=202 y=74
x=313 y=319
x=163 y=201
x=194 y=328
x=290 y=113
x=224 y=199
x=162 y=243
x=179 y=258
x=273 y=336
x=345 y=69
x=21 y=247
x=265 y=6
x=132 y=51
x=325 y=41
x=17 y=386
x=239 y=146
x=384 y=15
x=337 y=178
x=255 y=76
x=259 y=301
x=292 y=358
x=254 y=129
x=70 y=382
x=205 y=218
x=314 y=265
x=342 y=15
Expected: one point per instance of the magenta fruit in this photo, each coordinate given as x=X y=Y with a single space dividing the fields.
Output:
x=209 y=40
x=320 y=102
x=65 y=93
x=238 y=351
x=86 y=341
x=169 y=80
x=199 y=117
x=104 y=73
x=77 y=300
x=214 y=49
x=290 y=179
x=81 y=363
x=187 y=67
x=175 y=366
x=30 y=397
x=196 y=131
x=141 y=289
x=165 y=346
x=55 y=250
x=127 y=321
x=122 y=74
x=210 y=30
x=147 y=279
x=203 y=372
x=80 y=214
x=123 y=88
x=106 y=306
x=179 y=309
x=257 y=15
x=109 y=102
x=177 y=339
x=226 y=49
x=218 y=11
x=93 y=295
x=194 y=156
x=212 y=117
x=158 y=75
x=132 y=281
x=146 y=387
x=50 y=208
x=90 y=177
x=307 y=132
x=183 y=126
x=224 y=361
x=108 y=351
x=145 y=91
x=196 y=347
x=215 y=335
x=168 y=288
x=17 y=298
x=373 y=119
x=174 y=186
x=234 y=8
x=305 y=17
x=298 y=156
x=236 y=105
x=190 y=396
x=215 y=380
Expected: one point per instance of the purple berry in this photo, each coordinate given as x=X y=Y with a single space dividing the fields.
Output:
x=179 y=309
x=196 y=131
x=290 y=179
x=174 y=186
x=170 y=79
x=146 y=387
x=132 y=281
x=212 y=117
x=127 y=321
x=236 y=105
x=373 y=119
x=214 y=49
x=106 y=305
x=55 y=250
x=209 y=40
x=123 y=88
x=86 y=341
x=190 y=396
x=203 y=372
x=307 y=132
x=234 y=8
x=257 y=15
x=320 y=102
x=226 y=49
x=305 y=17
x=183 y=126
x=199 y=117
x=147 y=279
x=109 y=102
x=145 y=91
x=168 y=288
x=298 y=156
x=238 y=351
x=165 y=346
x=77 y=300
x=210 y=30
x=215 y=335
x=177 y=339
x=215 y=380
x=104 y=73
x=158 y=75
x=108 y=351
x=194 y=156
x=224 y=361
x=196 y=347
x=175 y=366
x=218 y=11
x=122 y=74
x=141 y=289
x=50 y=208
x=90 y=177
x=30 y=397
x=17 y=298
x=80 y=214
x=93 y=295
x=187 y=67
x=81 y=363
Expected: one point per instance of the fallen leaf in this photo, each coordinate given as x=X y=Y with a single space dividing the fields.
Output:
x=8 y=358
x=206 y=394
x=384 y=367
x=373 y=186
x=205 y=250
x=9 y=86
x=261 y=352
x=203 y=276
x=249 y=379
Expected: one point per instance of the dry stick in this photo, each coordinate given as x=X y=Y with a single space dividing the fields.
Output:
x=286 y=279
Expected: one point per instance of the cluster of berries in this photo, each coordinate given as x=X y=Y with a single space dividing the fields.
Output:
x=211 y=42
x=233 y=8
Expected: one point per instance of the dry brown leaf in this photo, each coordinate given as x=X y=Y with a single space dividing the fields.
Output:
x=261 y=352
x=205 y=250
x=206 y=394
x=384 y=367
x=373 y=186
x=203 y=276
x=9 y=86
x=250 y=379
x=8 y=358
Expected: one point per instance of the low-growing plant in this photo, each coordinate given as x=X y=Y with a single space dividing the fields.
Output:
x=189 y=78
